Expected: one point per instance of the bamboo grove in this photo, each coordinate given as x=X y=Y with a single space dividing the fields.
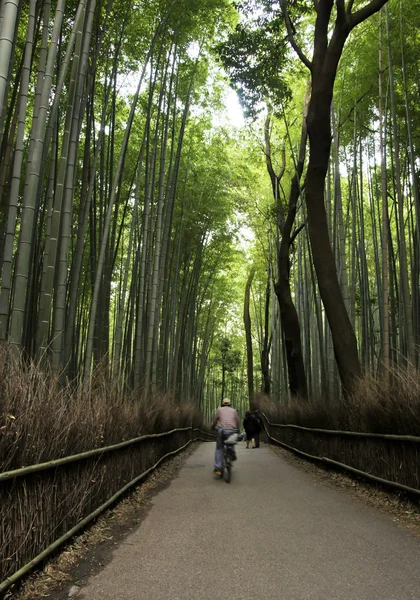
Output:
x=122 y=202
x=108 y=240
x=370 y=197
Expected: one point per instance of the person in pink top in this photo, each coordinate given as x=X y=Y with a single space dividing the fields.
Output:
x=226 y=420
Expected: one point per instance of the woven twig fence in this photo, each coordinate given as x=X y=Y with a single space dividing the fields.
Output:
x=42 y=506
x=388 y=459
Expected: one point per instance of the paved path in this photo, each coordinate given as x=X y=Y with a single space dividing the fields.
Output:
x=274 y=533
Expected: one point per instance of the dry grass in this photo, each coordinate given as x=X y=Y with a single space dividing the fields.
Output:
x=41 y=420
x=388 y=405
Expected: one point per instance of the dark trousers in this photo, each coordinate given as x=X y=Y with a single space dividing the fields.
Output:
x=255 y=435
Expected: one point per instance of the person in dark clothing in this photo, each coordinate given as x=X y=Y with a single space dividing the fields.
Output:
x=257 y=417
x=252 y=429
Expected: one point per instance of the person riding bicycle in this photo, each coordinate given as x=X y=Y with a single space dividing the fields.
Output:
x=226 y=420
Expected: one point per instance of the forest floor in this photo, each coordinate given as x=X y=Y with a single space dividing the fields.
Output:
x=279 y=512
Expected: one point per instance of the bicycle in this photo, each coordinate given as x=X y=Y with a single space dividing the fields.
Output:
x=229 y=454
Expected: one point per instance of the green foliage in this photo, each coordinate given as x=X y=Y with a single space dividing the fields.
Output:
x=228 y=358
x=223 y=193
x=255 y=55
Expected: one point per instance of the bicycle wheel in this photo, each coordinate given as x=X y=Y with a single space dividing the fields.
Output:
x=227 y=465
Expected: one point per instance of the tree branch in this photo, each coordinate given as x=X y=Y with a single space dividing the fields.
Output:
x=283 y=163
x=275 y=179
x=341 y=10
x=353 y=107
x=321 y=31
x=349 y=7
x=290 y=34
x=296 y=232
x=268 y=160
x=365 y=12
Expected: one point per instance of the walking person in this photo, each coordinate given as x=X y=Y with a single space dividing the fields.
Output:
x=251 y=427
x=226 y=420
x=258 y=426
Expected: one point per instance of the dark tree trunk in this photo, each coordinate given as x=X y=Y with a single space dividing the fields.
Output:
x=327 y=53
x=328 y=48
x=223 y=380
x=265 y=352
x=319 y=131
x=247 y=323
x=288 y=314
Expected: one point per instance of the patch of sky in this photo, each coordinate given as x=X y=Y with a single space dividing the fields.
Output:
x=193 y=50
x=231 y=113
x=127 y=83
x=244 y=234
x=246 y=237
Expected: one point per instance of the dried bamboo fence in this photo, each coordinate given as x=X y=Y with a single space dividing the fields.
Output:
x=392 y=460
x=42 y=506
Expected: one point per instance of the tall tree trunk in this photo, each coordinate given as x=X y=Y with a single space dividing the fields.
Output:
x=7 y=42
x=54 y=239
x=33 y=167
x=104 y=241
x=118 y=336
x=415 y=189
x=6 y=265
x=338 y=214
x=266 y=342
x=151 y=151
x=248 y=337
x=288 y=313
x=344 y=340
x=83 y=44
x=328 y=47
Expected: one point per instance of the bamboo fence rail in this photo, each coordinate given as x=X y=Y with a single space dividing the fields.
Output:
x=29 y=471
x=407 y=460
x=360 y=434
x=82 y=455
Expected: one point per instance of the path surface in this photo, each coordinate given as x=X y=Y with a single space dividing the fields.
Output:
x=274 y=533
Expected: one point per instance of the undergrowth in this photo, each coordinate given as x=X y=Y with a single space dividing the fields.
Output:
x=41 y=419
x=387 y=405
